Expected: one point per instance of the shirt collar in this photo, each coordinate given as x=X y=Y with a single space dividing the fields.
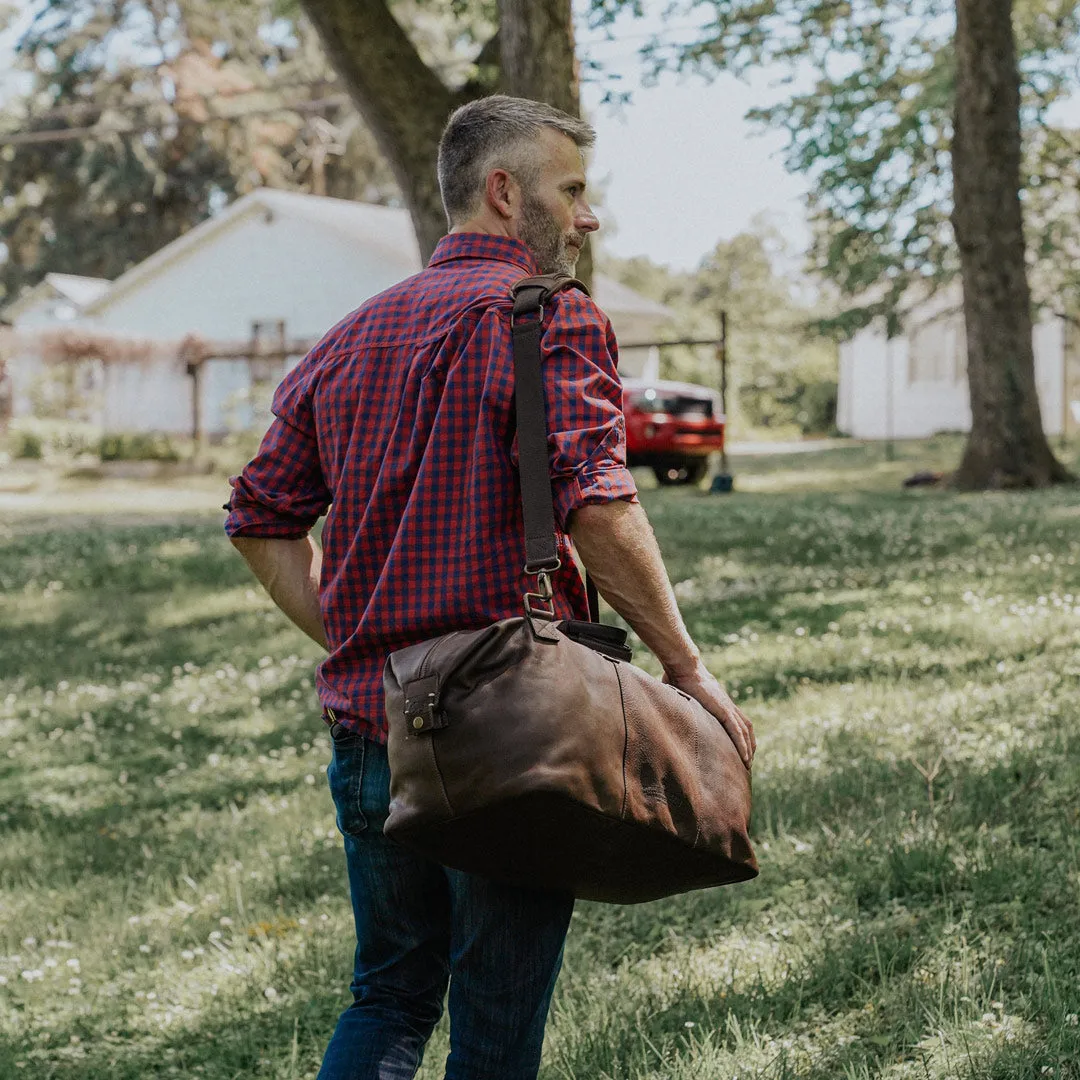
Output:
x=475 y=245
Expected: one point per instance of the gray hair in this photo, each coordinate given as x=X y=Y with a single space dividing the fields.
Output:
x=492 y=132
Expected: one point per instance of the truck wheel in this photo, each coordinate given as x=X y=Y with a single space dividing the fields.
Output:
x=683 y=472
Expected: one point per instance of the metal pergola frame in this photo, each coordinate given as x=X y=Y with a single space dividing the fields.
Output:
x=196 y=353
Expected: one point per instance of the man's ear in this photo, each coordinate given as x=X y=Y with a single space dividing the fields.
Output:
x=502 y=193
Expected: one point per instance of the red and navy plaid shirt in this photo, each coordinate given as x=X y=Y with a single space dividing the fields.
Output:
x=401 y=422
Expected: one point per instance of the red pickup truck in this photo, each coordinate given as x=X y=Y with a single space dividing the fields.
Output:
x=672 y=428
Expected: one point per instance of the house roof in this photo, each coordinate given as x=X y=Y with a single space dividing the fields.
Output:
x=384 y=227
x=78 y=289
x=387 y=228
x=922 y=301
x=613 y=295
x=74 y=288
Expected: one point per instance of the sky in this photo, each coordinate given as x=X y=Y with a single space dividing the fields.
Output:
x=680 y=168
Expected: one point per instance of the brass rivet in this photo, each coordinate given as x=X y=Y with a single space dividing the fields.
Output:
x=418 y=722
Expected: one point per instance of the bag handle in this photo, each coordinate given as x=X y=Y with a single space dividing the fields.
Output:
x=541 y=544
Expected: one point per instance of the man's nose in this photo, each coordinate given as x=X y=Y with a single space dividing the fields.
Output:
x=585 y=220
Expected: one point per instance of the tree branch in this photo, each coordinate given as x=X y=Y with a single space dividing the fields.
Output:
x=490 y=53
x=402 y=100
x=488 y=77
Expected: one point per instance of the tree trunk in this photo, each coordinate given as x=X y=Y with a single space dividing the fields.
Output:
x=538 y=61
x=403 y=102
x=537 y=52
x=1007 y=447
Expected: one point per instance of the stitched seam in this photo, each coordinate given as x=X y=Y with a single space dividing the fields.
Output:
x=439 y=773
x=626 y=733
x=697 y=772
x=357 y=787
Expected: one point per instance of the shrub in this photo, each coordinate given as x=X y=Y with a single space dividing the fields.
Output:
x=776 y=396
x=70 y=441
x=138 y=446
x=26 y=445
x=34 y=437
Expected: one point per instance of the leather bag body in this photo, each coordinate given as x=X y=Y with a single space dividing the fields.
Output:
x=533 y=752
x=524 y=756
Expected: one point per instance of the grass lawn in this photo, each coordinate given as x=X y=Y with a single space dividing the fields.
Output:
x=172 y=895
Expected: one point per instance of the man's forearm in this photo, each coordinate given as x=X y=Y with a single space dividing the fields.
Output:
x=616 y=543
x=289 y=571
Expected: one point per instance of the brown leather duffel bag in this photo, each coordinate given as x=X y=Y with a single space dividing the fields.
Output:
x=533 y=752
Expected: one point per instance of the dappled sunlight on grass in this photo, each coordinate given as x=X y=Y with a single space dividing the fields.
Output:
x=172 y=883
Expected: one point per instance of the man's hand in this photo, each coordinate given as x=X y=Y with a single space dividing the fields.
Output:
x=704 y=689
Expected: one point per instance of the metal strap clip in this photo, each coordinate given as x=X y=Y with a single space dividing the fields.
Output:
x=544 y=595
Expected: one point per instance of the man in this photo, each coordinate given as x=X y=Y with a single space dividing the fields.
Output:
x=401 y=421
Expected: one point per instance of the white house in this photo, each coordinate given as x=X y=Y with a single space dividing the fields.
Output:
x=55 y=303
x=915 y=384
x=271 y=257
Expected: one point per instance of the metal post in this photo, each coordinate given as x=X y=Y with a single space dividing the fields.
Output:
x=722 y=481
x=195 y=371
x=890 y=452
x=1065 y=328
x=722 y=350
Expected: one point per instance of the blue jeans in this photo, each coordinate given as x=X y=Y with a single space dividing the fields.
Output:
x=420 y=927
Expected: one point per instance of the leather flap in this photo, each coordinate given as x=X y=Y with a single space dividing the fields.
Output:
x=422 y=705
x=610 y=641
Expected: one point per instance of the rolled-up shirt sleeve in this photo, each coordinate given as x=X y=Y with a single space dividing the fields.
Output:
x=583 y=394
x=282 y=492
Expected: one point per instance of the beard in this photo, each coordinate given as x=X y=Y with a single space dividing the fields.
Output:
x=555 y=252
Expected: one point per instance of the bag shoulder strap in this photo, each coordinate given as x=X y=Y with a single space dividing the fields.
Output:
x=541 y=547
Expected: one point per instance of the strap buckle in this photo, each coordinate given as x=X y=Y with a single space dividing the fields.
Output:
x=539 y=309
x=544 y=568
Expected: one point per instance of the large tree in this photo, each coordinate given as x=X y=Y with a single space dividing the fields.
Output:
x=405 y=99
x=1006 y=447
x=872 y=124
